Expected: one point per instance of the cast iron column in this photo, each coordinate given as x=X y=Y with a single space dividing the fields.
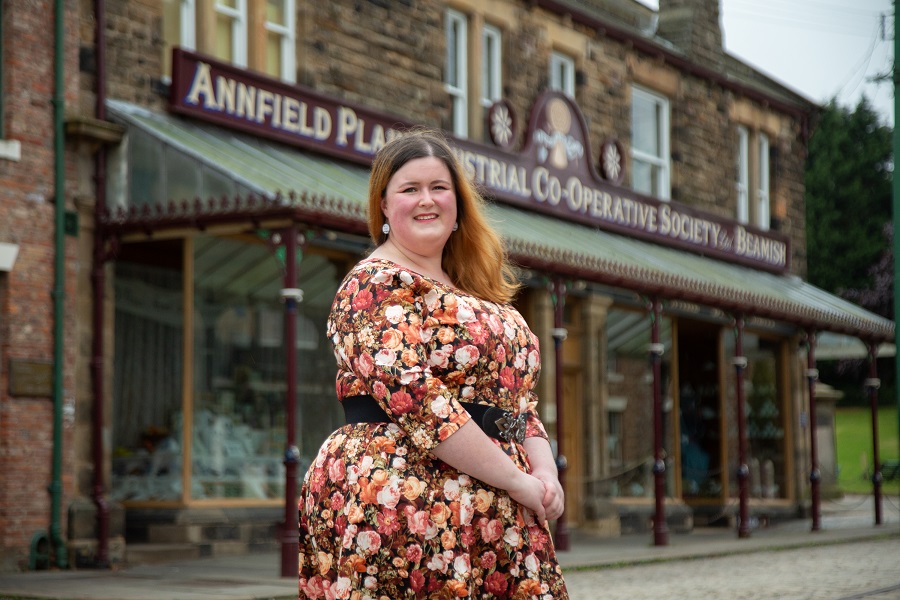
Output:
x=291 y=295
x=559 y=335
x=743 y=472
x=660 y=527
x=872 y=385
x=812 y=374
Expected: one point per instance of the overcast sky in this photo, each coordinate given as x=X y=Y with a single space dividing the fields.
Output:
x=819 y=48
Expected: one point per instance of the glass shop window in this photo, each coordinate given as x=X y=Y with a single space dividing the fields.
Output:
x=147 y=454
x=766 y=417
x=233 y=420
x=240 y=372
x=630 y=443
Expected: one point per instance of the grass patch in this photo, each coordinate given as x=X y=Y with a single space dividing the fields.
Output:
x=853 y=432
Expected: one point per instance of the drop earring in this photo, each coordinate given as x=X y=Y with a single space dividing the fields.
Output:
x=455 y=226
x=386 y=228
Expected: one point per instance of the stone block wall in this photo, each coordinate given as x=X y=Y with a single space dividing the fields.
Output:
x=390 y=56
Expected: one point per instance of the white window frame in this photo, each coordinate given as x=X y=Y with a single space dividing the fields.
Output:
x=288 y=42
x=187 y=31
x=763 y=207
x=456 y=29
x=742 y=183
x=661 y=163
x=562 y=73
x=188 y=25
x=239 y=28
x=491 y=64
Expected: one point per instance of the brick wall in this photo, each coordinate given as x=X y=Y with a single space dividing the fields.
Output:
x=26 y=302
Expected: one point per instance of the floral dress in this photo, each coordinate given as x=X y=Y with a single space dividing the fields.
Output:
x=380 y=516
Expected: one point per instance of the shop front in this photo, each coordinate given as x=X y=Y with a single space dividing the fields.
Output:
x=678 y=384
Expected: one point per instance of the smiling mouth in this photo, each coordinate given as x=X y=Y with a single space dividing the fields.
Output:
x=425 y=218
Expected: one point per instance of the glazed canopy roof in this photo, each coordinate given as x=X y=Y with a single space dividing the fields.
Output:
x=265 y=179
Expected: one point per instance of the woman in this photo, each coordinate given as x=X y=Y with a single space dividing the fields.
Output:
x=442 y=481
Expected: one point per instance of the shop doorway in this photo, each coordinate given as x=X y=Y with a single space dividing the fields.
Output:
x=700 y=421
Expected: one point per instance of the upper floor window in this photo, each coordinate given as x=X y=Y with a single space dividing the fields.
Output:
x=762 y=189
x=456 y=77
x=9 y=149
x=753 y=178
x=743 y=175
x=650 y=143
x=562 y=73
x=491 y=62
x=231 y=31
x=280 y=54
x=178 y=30
x=259 y=34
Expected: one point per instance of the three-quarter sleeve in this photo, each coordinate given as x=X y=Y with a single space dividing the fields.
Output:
x=383 y=325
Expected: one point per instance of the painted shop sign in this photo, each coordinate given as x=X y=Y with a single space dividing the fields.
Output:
x=553 y=172
x=215 y=91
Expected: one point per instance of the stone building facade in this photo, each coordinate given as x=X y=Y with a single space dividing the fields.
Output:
x=174 y=378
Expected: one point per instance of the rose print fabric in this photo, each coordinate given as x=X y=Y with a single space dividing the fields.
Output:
x=380 y=516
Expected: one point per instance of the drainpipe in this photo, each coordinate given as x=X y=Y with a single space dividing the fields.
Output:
x=743 y=473
x=660 y=527
x=872 y=385
x=98 y=283
x=559 y=336
x=812 y=374
x=59 y=289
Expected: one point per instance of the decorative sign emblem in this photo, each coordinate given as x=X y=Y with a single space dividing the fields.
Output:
x=612 y=162
x=502 y=124
x=554 y=144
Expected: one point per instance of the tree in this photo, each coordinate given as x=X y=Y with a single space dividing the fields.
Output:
x=849 y=227
x=848 y=197
x=879 y=297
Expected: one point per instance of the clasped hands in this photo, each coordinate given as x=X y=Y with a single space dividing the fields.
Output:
x=542 y=494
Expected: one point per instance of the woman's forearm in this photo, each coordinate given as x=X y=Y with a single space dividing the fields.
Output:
x=471 y=451
x=540 y=455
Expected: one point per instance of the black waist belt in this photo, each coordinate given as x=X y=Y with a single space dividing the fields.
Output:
x=495 y=422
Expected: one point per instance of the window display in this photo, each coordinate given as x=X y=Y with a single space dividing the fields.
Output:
x=147 y=457
x=236 y=410
x=765 y=417
x=630 y=404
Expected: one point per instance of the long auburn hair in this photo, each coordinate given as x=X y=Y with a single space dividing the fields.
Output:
x=474 y=256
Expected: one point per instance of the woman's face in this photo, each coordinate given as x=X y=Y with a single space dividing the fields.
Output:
x=420 y=205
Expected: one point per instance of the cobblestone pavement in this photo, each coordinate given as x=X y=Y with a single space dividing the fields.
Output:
x=864 y=570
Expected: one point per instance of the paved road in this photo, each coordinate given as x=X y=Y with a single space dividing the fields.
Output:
x=868 y=570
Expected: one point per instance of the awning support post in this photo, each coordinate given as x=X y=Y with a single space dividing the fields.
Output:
x=743 y=471
x=660 y=527
x=815 y=477
x=872 y=384
x=558 y=294
x=291 y=295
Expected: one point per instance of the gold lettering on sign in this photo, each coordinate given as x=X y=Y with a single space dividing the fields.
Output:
x=262 y=106
x=757 y=247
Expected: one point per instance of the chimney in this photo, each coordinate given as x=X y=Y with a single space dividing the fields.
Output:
x=694 y=27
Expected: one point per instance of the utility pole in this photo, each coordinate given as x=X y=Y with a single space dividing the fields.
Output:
x=896 y=207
